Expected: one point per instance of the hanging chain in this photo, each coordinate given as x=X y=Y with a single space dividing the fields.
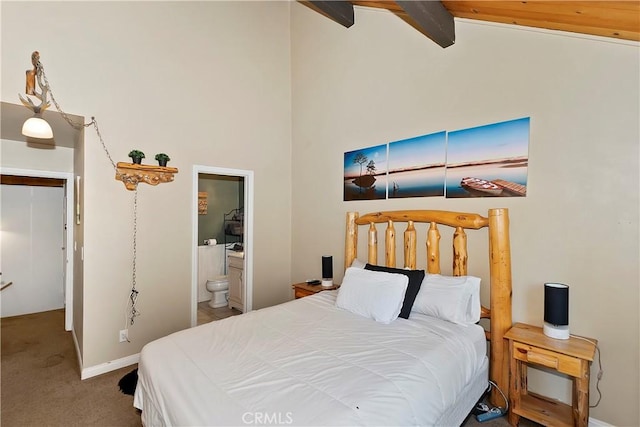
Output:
x=134 y=292
x=94 y=122
x=95 y=126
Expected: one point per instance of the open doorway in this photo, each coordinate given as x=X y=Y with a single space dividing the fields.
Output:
x=222 y=237
x=38 y=254
x=26 y=157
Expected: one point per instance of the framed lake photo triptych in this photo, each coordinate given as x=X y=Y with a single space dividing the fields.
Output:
x=483 y=161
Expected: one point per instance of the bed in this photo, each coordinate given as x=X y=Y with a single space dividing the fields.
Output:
x=348 y=357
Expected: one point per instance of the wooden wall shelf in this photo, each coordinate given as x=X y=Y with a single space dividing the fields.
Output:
x=131 y=174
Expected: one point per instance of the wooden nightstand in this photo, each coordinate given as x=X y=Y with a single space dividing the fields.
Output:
x=572 y=357
x=304 y=290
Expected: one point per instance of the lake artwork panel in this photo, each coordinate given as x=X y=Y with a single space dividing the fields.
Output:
x=488 y=161
x=417 y=166
x=365 y=173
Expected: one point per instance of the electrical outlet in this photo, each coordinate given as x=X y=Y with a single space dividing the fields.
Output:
x=124 y=335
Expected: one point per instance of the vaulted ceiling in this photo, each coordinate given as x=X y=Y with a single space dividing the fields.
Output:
x=617 y=19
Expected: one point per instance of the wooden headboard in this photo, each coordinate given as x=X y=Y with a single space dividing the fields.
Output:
x=499 y=311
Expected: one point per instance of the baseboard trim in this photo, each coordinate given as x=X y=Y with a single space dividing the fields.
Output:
x=112 y=365
x=597 y=423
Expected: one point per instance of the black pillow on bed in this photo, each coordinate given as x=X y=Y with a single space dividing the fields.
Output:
x=415 y=280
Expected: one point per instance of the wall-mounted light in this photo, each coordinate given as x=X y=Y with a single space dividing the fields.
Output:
x=36 y=126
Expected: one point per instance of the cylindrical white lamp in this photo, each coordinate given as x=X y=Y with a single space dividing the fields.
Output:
x=556 y=311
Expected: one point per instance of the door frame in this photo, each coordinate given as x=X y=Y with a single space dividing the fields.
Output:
x=248 y=233
x=69 y=197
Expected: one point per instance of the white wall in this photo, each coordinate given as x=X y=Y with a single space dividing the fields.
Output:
x=31 y=254
x=381 y=81
x=17 y=154
x=207 y=83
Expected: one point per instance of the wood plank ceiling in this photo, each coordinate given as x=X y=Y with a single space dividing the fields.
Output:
x=616 y=19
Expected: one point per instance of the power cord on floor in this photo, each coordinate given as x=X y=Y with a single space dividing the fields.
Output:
x=489 y=413
x=506 y=401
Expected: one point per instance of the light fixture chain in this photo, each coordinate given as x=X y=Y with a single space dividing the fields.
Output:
x=73 y=124
x=135 y=233
x=134 y=292
x=95 y=126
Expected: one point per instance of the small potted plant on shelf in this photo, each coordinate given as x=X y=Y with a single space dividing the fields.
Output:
x=136 y=156
x=162 y=159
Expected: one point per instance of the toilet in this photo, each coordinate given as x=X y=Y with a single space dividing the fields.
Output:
x=219 y=286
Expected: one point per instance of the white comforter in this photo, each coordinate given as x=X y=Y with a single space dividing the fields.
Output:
x=307 y=362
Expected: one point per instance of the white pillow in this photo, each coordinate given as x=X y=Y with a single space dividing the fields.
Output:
x=373 y=294
x=456 y=299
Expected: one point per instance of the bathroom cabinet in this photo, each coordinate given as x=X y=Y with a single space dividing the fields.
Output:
x=236 y=281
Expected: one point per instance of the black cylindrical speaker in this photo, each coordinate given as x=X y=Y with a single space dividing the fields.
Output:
x=556 y=310
x=327 y=270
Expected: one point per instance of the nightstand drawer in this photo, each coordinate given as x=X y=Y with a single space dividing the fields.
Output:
x=301 y=290
x=560 y=362
x=301 y=293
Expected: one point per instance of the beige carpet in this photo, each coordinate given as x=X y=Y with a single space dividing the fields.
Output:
x=41 y=384
x=40 y=379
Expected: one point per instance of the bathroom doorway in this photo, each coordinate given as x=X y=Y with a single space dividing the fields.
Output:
x=222 y=226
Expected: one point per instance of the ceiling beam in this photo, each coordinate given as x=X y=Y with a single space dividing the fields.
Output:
x=432 y=19
x=339 y=11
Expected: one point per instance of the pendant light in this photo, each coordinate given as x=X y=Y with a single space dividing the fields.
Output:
x=36 y=126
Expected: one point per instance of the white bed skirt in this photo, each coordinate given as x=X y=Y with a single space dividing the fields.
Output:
x=467 y=399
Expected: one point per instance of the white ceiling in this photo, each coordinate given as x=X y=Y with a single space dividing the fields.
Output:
x=14 y=115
